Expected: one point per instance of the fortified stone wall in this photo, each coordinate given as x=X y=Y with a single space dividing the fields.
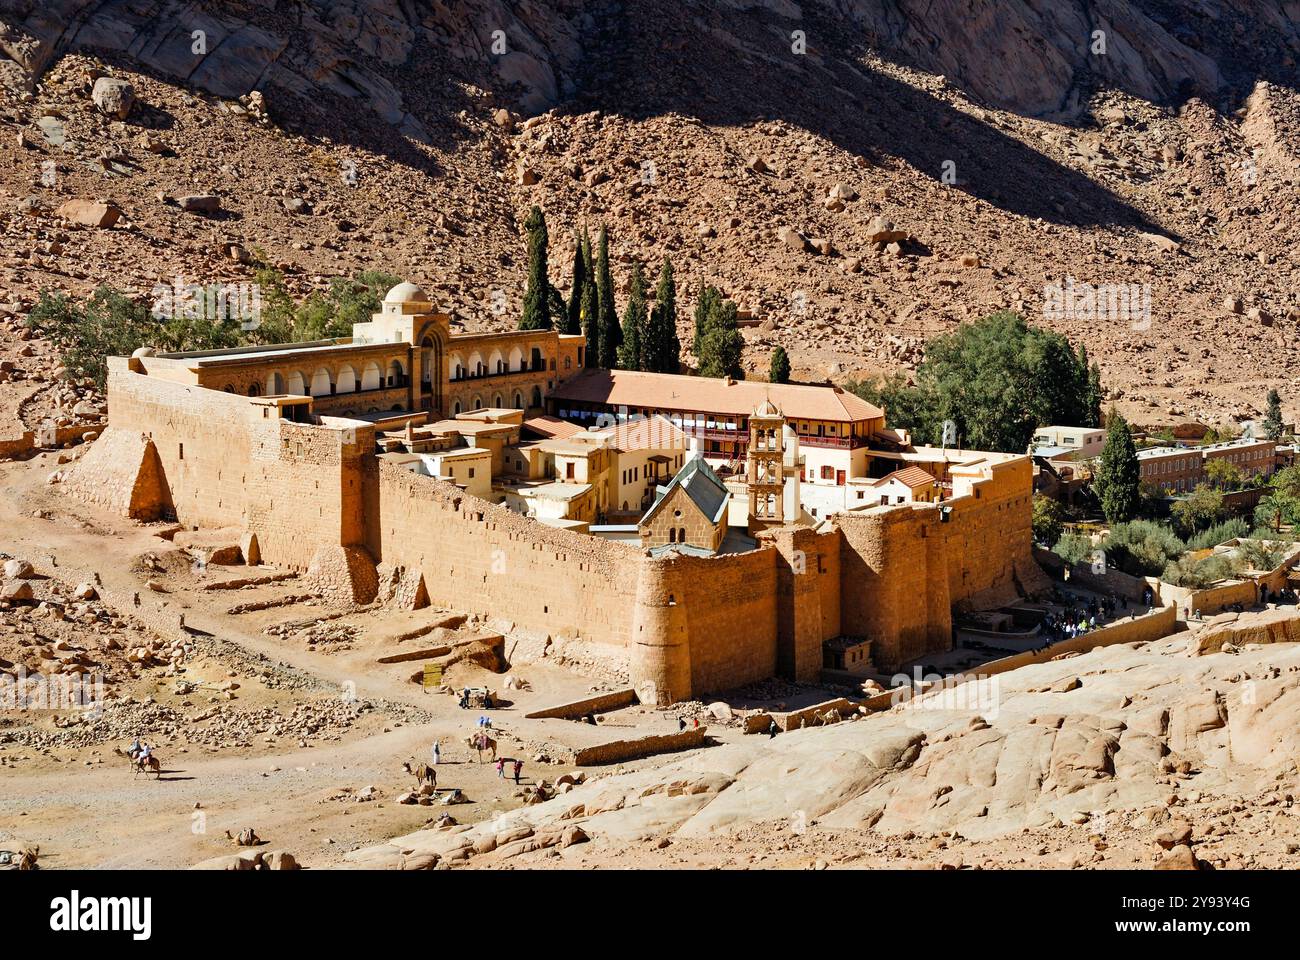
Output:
x=226 y=465
x=481 y=557
x=690 y=625
x=903 y=569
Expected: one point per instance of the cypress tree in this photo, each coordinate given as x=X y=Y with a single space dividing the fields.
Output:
x=706 y=308
x=1119 y=475
x=663 y=352
x=1092 y=412
x=537 y=298
x=590 y=309
x=573 y=315
x=611 y=336
x=631 y=353
x=780 y=371
x=718 y=342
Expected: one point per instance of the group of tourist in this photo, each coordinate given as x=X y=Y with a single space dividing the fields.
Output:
x=1079 y=616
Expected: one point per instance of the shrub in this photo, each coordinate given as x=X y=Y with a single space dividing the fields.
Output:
x=1142 y=547
x=1196 y=574
x=1074 y=548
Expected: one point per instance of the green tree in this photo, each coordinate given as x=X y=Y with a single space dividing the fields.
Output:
x=719 y=344
x=109 y=323
x=1282 y=503
x=1273 y=417
x=779 y=372
x=998 y=380
x=590 y=305
x=537 y=296
x=1142 y=548
x=1092 y=398
x=1048 y=520
x=707 y=306
x=1074 y=548
x=573 y=312
x=661 y=352
x=1224 y=474
x=1119 y=474
x=908 y=407
x=611 y=335
x=1200 y=509
x=635 y=323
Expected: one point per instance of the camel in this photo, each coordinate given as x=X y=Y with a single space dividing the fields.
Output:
x=830 y=716
x=142 y=766
x=481 y=742
x=423 y=773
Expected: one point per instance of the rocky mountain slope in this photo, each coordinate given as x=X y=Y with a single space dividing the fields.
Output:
x=1013 y=146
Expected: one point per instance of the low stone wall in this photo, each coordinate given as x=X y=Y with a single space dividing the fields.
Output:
x=1149 y=626
x=11 y=448
x=617 y=751
x=580 y=708
x=1211 y=600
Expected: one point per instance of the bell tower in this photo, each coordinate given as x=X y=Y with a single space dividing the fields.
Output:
x=764 y=462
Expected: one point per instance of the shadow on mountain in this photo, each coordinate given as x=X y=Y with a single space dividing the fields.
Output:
x=719 y=79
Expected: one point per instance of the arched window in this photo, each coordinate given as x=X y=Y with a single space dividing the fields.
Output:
x=370 y=377
x=516 y=360
x=496 y=362
x=254 y=390
x=457 y=367
x=396 y=373
x=537 y=396
x=347 y=381
x=297 y=384
x=275 y=383
x=320 y=383
x=496 y=401
x=455 y=408
x=519 y=400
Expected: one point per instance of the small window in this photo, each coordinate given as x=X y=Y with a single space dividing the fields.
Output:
x=180 y=451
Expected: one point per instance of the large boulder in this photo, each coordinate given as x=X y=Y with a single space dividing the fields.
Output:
x=113 y=97
x=101 y=214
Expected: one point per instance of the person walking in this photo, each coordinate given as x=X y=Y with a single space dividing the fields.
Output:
x=437 y=753
x=501 y=768
x=771 y=728
x=519 y=766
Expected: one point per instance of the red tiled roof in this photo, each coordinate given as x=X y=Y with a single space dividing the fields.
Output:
x=664 y=391
x=646 y=433
x=551 y=427
x=912 y=477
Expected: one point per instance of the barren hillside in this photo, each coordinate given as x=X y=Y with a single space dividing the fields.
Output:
x=413 y=137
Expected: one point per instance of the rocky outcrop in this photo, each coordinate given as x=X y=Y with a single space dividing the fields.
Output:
x=1114 y=736
x=1035 y=58
x=362 y=51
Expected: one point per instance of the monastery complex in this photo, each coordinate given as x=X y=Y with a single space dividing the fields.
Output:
x=703 y=533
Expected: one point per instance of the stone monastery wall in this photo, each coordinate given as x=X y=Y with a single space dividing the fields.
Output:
x=484 y=558
x=690 y=625
x=221 y=464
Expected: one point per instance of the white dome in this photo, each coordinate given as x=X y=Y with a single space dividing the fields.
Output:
x=405 y=292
